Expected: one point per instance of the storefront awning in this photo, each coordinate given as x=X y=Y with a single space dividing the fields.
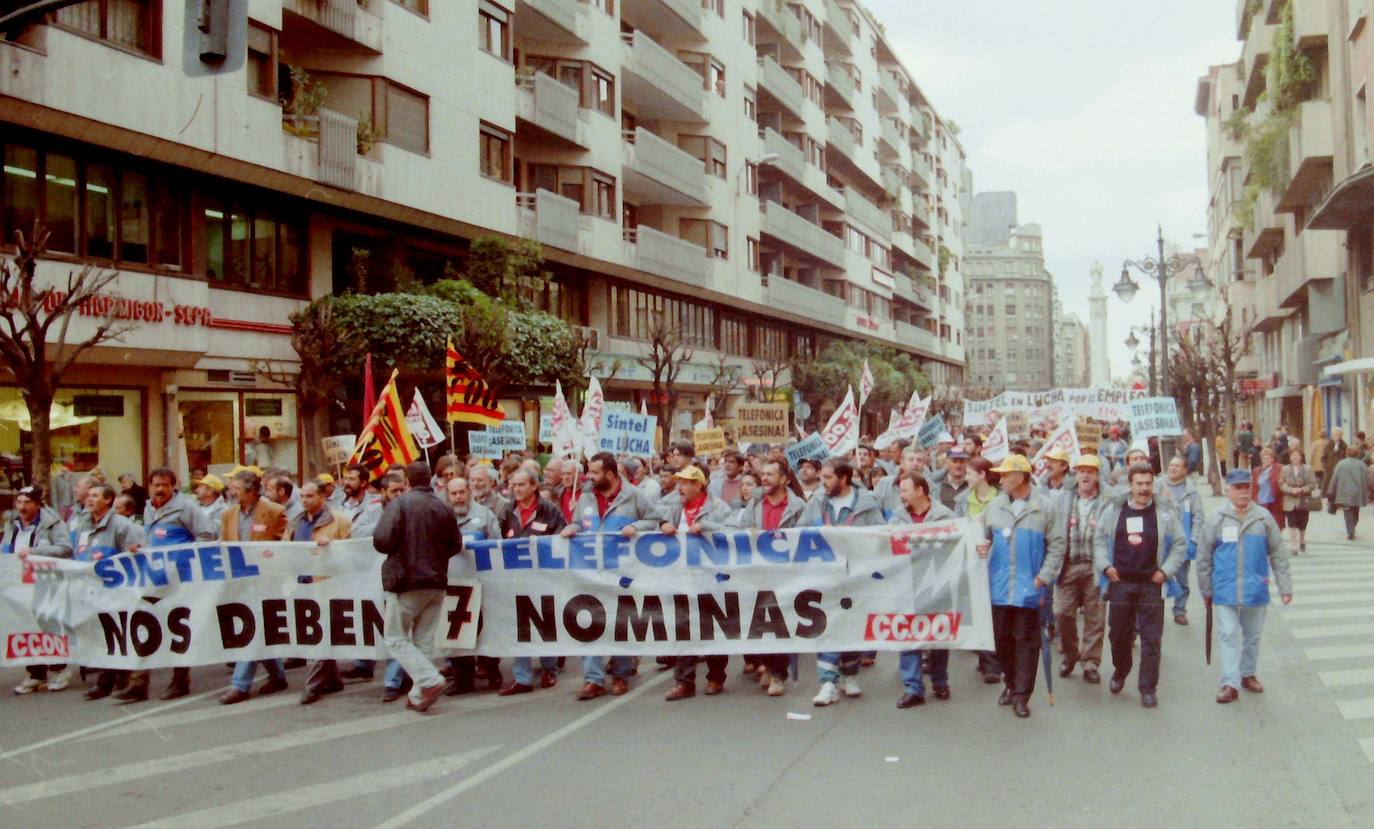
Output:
x=1283 y=391
x=1357 y=366
x=1350 y=202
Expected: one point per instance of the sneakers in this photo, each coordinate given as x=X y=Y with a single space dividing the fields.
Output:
x=30 y=685
x=776 y=687
x=850 y=687
x=828 y=695
x=61 y=680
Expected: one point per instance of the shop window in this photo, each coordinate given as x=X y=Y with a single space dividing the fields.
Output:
x=135 y=25
x=225 y=428
x=61 y=201
x=91 y=429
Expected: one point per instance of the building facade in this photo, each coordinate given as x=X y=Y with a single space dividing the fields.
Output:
x=1011 y=336
x=766 y=176
x=1099 y=367
x=994 y=218
x=1074 y=359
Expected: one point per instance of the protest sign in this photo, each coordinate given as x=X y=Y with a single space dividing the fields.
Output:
x=628 y=434
x=338 y=448
x=709 y=441
x=841 y=432
x=546 y=428
x=1154 y=417
x=815 y=589
x=997 y=446
x=810 y=446
x=908 y=425
x=761 y=423
x=1018 y=423
x=930 y=432
x=1064 y=436
x=1089 y=434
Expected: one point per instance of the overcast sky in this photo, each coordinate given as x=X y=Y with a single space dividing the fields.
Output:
x=1085 y=109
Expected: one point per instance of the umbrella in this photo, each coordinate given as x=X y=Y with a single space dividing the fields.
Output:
x=1045 y=619
x=1209 y=633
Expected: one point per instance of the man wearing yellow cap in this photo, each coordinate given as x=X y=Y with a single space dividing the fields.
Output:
x=1078 y=514
x=1024 y=546
x=210 y=498
x=1059 y=481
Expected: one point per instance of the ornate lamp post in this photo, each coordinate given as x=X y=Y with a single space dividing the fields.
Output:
x=1160 y=269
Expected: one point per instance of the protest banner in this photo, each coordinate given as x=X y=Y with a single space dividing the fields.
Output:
x=815 y=589
x=1154 y=417
x=930 y=432
x=1097 y=402
x=841 y=432
x=761 y=423
x=908 y=425
x=509 y=436
x=810 y=446
x=628 y=434
x=565 y=437
x=338 y=448
x=997 y=446
x=709 y=442
x=546 y=428
x=1064 y=436
x=482 y=444
x=588 y=427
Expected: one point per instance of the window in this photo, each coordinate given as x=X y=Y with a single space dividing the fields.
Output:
x=135 y=25
x=712 y=71
x=713 y=236
x=635 y=314
x=716 y=79
x=493 y=23
x=402 y=113
x=750 y=30
x=603 y=192
x=717 y=6
x=262 y=61
x=708 y=150
x=595 y=86
x=604 y=6
x=593 y=190
x=420 y=7
x=496 y=154
x=753 y=245
x=250 y=245
x=751 y=104
x=603 y=91
x=751 y=178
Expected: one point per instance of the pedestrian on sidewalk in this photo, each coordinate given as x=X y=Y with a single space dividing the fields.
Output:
x=1348 y=488
x=1240 y=545
x=1298 y=482
x=1139 y=547
x=1266 y=483
x=418 y=536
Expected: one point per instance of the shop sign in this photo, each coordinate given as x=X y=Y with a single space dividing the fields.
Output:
x=98 y=405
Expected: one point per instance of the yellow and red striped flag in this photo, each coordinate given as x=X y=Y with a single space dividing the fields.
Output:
x=386 y=440
x=470 y=399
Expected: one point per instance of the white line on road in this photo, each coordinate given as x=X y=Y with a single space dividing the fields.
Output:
x=1340 y=679
x=1327 y=631
x=1307 y=599
x=1339 y=652
x=309 y=797
x=1356 y=709
x=517 y=757
x=1291 y=614
x=1368 y=745
x=124 y=720
x=1334 y=585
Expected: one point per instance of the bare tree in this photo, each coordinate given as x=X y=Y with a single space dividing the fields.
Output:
x=768 y=371
x=1203 y=373
x=725 y=381
x=35 y=337
x=667 y=356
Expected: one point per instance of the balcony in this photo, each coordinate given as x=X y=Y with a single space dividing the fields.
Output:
x=839 y=137
x=667 y=18
x=890 y=140
x=920 y=214
x=801 y=235
x=552 y=106
x=893 y=181
x=549 y=219
x=656 y=172
x=1312 y=255
x=922 y=253
x=1311 y=23
x=780 y=86
x=792 y=163
x=1255 y=59
x=330 y=156
x=921 y=172
x=839 y=32
x=890 y=97
x=660 y=86
x=905 y=288
x=558 y=21
x=870 y=215
x=1267 y=234
x=839 y=87
x=914 y=336
x=664 y=255
x=1310 y=151
x=1269 y=315
x=796 y=298
x=778 y=24
x=332 y=25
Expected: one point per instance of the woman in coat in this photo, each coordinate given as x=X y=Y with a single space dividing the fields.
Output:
x=1348 y=488
x=1297 y=481
x=1265 y=484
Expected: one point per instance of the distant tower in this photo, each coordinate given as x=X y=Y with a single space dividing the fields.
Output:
x=1098 y=361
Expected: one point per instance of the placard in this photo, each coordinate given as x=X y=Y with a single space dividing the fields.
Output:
x=761 y=423
x=809 y=447
x=624 y=433
x=1154 y=417
x=338 y=449
x=709 y=441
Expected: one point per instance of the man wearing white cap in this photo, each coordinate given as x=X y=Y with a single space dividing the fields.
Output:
x=1078 y=513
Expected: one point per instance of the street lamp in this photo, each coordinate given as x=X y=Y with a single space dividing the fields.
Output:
x=1160 y=269
x=762 y=161
x=1131 y=342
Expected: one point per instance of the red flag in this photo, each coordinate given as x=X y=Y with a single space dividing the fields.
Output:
x=386 y=439
x=369 y=390
x=470 y=399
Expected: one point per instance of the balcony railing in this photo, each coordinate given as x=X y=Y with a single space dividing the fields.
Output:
x=796 y=298
x=780 y=19
x=670 y=18
x=338 y=149
x=877 y=220
x=774 y=80
x=549 y=219
x=1255 y=58
x=842 y=139
x=657 y=83
x=660 y=172
x=839 y=32
x=552 y=106
x=890 y=95
x=839 y=83
x=559 y=21
x=798 y=233
x=659 y=253
x=790 y=160
x=1310 y=152
x=1312 y=23
x=347 y=19
x=917 y=337
x=1312 y=255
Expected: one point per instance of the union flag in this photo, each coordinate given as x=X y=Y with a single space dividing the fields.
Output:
x=470 y=399
x=386 y=440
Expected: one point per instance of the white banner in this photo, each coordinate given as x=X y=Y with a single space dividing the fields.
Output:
x=1064 y=436
x=908 y=425
x=1097 y=402
x=589 y=425
x=997 y=446
x=822 y=589
x=841 y=432
x=423 y=427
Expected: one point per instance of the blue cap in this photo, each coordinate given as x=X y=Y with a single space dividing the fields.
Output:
x=1238 y=477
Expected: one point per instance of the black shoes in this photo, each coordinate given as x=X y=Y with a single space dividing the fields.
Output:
x=1148 y=699
x=1066 y=668
x=911 y=701
x=1005 y=699
x=942 y=692
x=1117 y=683
x=1091 y=676
x=1020 y=708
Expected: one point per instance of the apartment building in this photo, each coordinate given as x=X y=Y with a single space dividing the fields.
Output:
x=1011 y=306
x=1073 y=353
x=993 y=218
x=766 y=175
x=1280 y=135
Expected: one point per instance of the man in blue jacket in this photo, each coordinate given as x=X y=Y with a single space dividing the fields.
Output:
x=1024 y=546
x=1239 y=545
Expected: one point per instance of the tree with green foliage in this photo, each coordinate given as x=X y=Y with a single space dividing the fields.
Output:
x=825 y=379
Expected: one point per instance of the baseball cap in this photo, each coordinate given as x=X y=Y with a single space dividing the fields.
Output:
x=1238 y=477
x=1088 y=461
x=30 y=492
x=957 y=454
x=212 y=481
x=691 y=472
x=1057 y=454
x=1013 y=463
x=324 y=478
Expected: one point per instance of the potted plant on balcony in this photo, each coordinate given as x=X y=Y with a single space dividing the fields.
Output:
x=369 y=134
x=300 y=108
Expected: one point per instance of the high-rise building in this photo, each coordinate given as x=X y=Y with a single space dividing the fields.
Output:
x=994 y=218
x=1074 y=359
x=1010 y=308
x=1100 y=364
x=769 y=177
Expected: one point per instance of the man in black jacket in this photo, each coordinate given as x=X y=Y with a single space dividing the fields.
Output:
x=418 y=536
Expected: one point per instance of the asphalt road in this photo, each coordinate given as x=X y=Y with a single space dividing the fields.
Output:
x=1300 y=754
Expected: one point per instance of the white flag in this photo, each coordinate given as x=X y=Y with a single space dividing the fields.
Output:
x=589 y=425
x=643 y=408
x=841 y=432
x=422 y=425
x=865 y=384
x=908 y=425
x=566 y=440
x=1064 y=436
x=997 y=446
x=708 y=421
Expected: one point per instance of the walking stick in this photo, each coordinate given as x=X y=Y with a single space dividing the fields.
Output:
x=1045 y=617
x=1208 y=652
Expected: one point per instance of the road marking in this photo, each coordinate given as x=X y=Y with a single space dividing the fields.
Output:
x=1340 y=679
x=520 y=756
x=124 y=720
x=1333 y=585
x=1327 y=631
x=1339 y=652
x=1305 y=598
x=295 y=800
x=253 y=706
x=1368 y=745
x=1299 y=615
x=1356 y=709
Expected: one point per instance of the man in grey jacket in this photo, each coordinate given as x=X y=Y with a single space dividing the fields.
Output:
x=1079 y=512
x=918 y=507
x=38 y=530
x=1139 y=547
x=99 y=533
x=1175 y=490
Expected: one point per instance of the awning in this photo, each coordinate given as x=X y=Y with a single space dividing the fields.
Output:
x=1283 y=391
x=1356 y=366
x=1350 y=202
